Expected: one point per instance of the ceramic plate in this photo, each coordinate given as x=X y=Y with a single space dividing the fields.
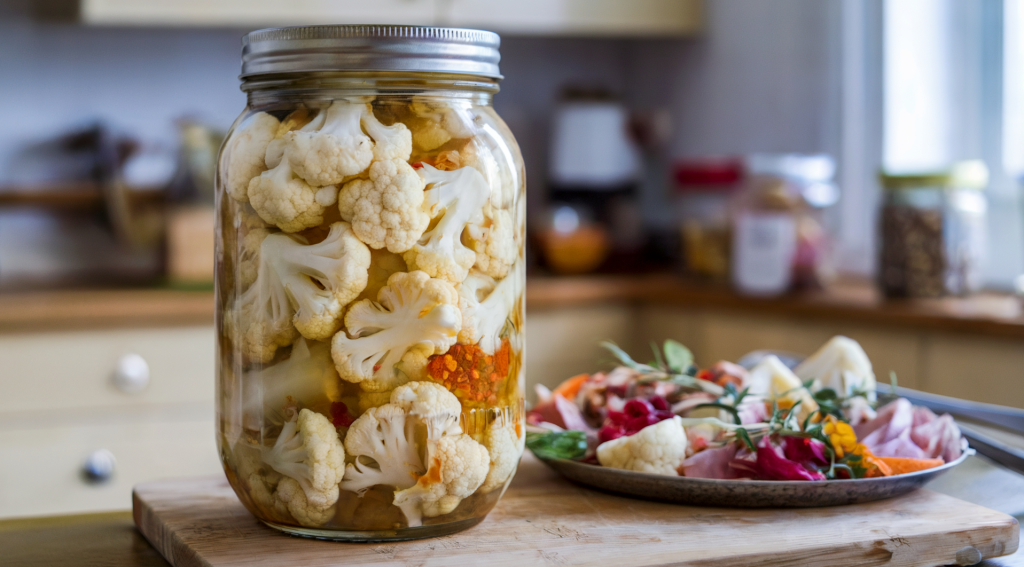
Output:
x=747 y=493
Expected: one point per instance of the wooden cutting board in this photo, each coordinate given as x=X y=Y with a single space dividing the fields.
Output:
x=545 y=520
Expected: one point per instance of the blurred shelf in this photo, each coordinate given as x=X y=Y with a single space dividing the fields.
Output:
x=75 y=309
x=525 y=17
x=984 y=314
x=850 y=301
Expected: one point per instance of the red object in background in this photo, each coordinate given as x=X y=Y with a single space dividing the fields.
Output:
x=708 y=174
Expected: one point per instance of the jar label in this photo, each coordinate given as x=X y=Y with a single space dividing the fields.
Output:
x=763 y=251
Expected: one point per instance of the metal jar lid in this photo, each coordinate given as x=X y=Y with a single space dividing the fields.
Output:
x=370 y=48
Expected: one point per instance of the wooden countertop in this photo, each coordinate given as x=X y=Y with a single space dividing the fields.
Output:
x=111 y=538
x=984 y=314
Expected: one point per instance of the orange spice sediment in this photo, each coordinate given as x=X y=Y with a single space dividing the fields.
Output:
x=470 y=374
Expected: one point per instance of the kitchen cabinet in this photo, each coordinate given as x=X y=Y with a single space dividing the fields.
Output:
x=143 y=395
x=257 y=13
x=576 y=17
x=526 y=17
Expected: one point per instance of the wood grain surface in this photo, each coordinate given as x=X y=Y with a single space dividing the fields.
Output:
x=545 y=520
x=846 y=301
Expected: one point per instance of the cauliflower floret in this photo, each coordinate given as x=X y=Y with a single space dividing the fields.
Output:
x=306 y=377
x=283 y=199
x=385 y=210
x=494 y=243
x=656 y=449
x=332 y=146
x=290 y=494
x=309 y=451
x=390 y=142
x=384 y=443
x=384 y=453
x=500 y=179
x=415 y=317
x=841 y=364
x=483 y=321
x=504 y=446
x=774 y=381
x=307 y=285
x=435 y=407
x=242 y=158
x=458 y=198
x=457 y=468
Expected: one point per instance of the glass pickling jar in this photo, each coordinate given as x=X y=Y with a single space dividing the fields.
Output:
x=370 y=280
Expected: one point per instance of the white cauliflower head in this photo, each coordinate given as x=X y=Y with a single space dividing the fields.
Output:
x=499 y=175
x=281 y=198
x=385 y=210
x=290 y=494
x=841 y=364
x=433 y=405
x=306 y=377
x=457 y=468
x=332 y=146
x=384 y=442
x=307 y=285
x=456 y=198
x=484 y=320
x=384 y=451
x=504 y=444
x=773 y=380
x=389 y=142
x=309 y=452
x=494 y=243
x=655 y=449
x=242 y=157
x=415 y=316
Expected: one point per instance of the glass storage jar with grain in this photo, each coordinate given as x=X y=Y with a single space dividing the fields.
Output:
x=370 y=283
x=933 y=232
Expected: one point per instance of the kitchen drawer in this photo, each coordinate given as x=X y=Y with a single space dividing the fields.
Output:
x=46 y=371
x=41 y=472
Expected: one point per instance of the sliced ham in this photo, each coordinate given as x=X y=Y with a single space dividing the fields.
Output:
x=902 y=430
x=711 y=463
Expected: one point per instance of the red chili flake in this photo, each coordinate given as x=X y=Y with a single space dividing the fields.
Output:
x=706 y=375
x=340 y=415
x=417 y=165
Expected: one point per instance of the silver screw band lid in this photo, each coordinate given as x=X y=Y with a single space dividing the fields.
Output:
x=370 y=48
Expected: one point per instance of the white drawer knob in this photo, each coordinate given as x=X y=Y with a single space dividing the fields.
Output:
x=98 y=466
x=131 y=375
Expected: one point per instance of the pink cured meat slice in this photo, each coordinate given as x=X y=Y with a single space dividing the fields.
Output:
x=711 y=463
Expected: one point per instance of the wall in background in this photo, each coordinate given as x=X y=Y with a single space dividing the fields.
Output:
x=763 y=78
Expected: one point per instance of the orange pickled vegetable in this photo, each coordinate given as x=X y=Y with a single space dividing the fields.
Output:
x=904 y=465
x=569 y=388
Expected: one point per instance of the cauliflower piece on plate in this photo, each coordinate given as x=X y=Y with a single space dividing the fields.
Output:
x=656 y=449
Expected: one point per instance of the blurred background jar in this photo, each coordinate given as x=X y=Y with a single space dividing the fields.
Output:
x=704 y=188
x=933 y=231
x=781 y=221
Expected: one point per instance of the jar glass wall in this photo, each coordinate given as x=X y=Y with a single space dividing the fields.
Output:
x=370 y=280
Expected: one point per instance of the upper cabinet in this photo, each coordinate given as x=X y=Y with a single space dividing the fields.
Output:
x=637 y=18
x=576 y=17
x=257 y=13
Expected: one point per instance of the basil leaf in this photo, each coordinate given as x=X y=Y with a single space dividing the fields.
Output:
x=678 y=357
x=558 y=444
